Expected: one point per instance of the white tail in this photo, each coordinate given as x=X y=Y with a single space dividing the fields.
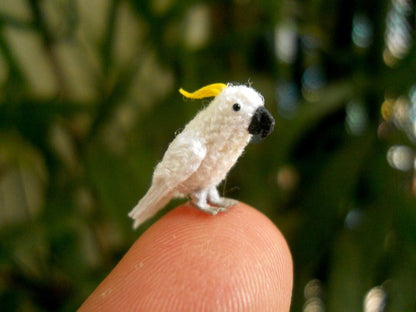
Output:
x=155 y=199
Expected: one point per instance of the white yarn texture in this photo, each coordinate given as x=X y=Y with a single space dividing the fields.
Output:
x=200 y=157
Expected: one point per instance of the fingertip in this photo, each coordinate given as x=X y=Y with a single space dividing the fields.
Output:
x=189 y=260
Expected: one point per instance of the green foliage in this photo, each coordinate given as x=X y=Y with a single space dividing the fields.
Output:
x=89 y=102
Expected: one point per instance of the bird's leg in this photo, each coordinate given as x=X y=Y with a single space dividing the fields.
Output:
x=222 y=203
x=199 y=200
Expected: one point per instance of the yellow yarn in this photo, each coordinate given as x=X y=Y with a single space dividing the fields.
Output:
x=207 y=91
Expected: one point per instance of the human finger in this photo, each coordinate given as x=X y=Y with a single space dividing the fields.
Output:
x=191 y=261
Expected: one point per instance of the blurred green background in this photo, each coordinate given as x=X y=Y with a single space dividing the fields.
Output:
x=89 y=103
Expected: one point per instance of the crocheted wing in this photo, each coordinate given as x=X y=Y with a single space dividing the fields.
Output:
x=182 y=158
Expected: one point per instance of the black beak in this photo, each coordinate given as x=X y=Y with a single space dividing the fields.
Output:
x=262 y=123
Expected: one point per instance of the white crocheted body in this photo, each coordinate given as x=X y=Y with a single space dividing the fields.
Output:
x=199 y=158
x=221 y=132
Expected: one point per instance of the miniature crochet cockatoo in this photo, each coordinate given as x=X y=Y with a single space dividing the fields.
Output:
x=199 y=158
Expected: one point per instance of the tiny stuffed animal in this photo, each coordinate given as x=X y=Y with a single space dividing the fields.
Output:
x=199 y=158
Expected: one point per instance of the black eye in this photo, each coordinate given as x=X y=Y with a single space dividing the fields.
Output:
x=236 y=107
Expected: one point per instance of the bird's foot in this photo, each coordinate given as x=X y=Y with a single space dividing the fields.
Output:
x=223 y=203
x=205 y=207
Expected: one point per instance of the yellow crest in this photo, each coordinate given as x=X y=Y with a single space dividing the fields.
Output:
x=207 y=91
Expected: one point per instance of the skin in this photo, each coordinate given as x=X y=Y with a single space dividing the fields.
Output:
x=191 y=261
